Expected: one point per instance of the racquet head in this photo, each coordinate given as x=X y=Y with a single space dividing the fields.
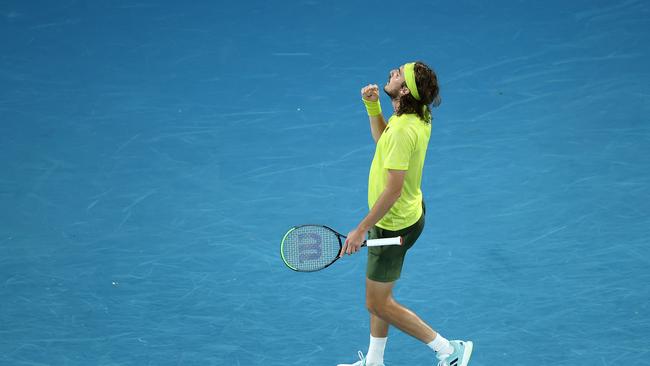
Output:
x=309 y=248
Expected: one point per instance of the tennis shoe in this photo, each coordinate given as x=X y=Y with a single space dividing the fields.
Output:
x=361 y=362
x=460 y=356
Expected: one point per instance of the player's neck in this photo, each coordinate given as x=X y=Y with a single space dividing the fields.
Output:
x=395 y=103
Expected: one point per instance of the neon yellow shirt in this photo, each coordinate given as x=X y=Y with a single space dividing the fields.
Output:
x=402 y=146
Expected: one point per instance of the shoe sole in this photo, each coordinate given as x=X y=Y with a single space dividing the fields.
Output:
x=467 y=353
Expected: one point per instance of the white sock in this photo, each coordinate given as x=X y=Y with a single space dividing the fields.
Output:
x=376 y=351
x=441 y=345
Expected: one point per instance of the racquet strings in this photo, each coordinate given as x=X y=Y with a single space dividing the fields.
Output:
x=310 y=248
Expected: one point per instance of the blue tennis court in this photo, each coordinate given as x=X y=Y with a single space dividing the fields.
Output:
x=153 y=153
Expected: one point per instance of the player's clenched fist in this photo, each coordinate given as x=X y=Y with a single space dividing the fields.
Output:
x=370 y=92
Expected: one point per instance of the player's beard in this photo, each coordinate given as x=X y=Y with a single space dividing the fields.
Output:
x=393 y=97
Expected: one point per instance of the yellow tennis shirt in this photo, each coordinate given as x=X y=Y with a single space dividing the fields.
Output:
x=402 y=146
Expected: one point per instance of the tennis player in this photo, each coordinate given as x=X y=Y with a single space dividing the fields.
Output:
x=397 y=209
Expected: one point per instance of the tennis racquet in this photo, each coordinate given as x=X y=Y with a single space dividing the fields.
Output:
x=310 y=248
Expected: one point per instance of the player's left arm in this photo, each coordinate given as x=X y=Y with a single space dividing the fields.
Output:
x=386 y=200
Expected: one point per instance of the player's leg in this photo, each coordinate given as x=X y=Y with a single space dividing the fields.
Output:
x=378 y=326
x=381 y=304
x=384 y=268
x=385 y=264
x=378 y=338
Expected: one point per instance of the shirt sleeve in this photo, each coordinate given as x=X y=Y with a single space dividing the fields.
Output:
x=399 y=149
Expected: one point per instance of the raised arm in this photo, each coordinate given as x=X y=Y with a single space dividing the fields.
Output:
x=370 y=95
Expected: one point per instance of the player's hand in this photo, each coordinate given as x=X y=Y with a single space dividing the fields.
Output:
x=370 y=92
x=353 y=242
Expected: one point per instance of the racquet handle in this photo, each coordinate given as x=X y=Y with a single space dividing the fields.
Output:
x=382 y=242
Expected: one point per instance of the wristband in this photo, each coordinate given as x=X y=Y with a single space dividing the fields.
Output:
x=373 y=108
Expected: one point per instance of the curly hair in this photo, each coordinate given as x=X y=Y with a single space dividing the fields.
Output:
x=427 y=84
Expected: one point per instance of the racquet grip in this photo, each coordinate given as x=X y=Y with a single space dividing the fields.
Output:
x=382 y=242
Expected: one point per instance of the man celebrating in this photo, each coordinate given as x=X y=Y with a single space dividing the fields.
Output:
x=397 y=209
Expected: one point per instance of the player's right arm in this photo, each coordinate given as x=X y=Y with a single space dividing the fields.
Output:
x=377 y=123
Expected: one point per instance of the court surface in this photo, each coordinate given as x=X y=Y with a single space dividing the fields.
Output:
x=153 y=153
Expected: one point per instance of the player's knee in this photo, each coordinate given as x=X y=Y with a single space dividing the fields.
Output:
x=377 y=307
